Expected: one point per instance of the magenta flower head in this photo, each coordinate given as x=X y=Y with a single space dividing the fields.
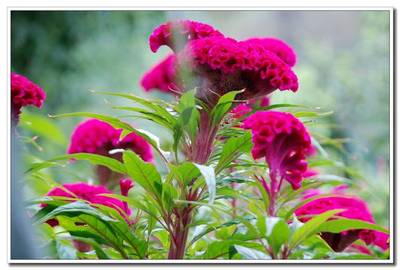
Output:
x=91 y=193
x=125 y=185
x=354 y=208
x=171 y=33
x=283 y=141
x=278 y=47
x=162 y=76
x=218 y=64
x=24 y=93
x=98 y=137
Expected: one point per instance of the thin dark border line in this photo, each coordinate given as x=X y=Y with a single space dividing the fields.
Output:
x=391 y=261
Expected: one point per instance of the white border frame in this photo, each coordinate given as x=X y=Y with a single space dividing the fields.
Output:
x=241 y=262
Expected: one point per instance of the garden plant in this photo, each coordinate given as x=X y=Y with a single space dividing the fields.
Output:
x=241 y=178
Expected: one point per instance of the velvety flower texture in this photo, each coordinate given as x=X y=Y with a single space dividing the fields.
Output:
x=24 y=93
x=90 y=193
x=162 y=76
x=166 y=34
x=354 y=208
x=283 y=141
x=98 y=137
x=218 y=64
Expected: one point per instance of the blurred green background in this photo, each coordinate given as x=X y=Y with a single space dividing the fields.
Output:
x=343 y=66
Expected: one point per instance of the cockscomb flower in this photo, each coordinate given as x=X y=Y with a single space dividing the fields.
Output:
x=24 y=93
x=171 y=33
x=219 y=64
x=98 y=137
x=354 y=208
x=278 y=47
x=91 y=193
x=283 y=141
x=163 y=76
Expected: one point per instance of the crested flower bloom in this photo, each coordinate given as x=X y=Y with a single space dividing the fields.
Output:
x=24 y=93
x=283 y=141
x=166 y=34
x=278 y=47
x=98 y=137
x=218 y=64
x=162 y=76
x=354 y=208
x=91 y=193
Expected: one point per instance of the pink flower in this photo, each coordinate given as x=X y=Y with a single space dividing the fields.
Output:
x=223 y=64
x=90 y=193
x=171 y=32
x=278 y=47
x=244 y=108
x=125 y=185
x=358 y=248
x=24 y=93
x=98 y=137
x=354 y=208
x=241 y=110
x=262 y=102
x=283 y=141
x=218 y=64
x=162 y=76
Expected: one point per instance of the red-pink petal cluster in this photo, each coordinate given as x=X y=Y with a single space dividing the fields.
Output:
x=218 y=64
x=98 y=137
x=90 y=193
x=226 y=64
x=240 y=110
x=278 y=47
x=283 y=141
x=162 y=76
x=173 y=32
x=24 y=93
x=354 y=208
x=244 y=108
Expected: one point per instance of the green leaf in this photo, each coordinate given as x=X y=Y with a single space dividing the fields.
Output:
x=282 y=105
x=209 y=176
x=105 y=230
x=350 y=256
x=344 y=224
x=290 y=212
x=188 y=118
x=223 y=106
x=312 y=114
x=123 y=232
x=251 y=254
x=73 y=209
x=310 y=227
x=145 y=174
x=110 y=163
x=185 y=172
x=155 y=105
x=233 y=148
x=152 y=116
x=42 y=126
x=115 y=122
x=278 y=234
